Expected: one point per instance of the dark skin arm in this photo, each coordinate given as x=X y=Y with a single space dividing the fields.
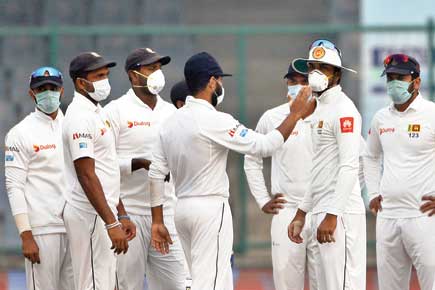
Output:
x=85 y=170
x=127 y=225
x=29 y=247
x=139 y=163
x=160 y=238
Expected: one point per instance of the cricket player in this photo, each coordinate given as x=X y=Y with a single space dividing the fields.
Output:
x=193 y=145
x=334 y=196
x=179 y=93
x=400 y=177
x=291 y=167
x=93 y=199
x=136 y=118
x=34 y=164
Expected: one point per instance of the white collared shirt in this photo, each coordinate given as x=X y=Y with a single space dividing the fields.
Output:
x=336 y=137
x=34 y=169
x=87 y=133
x=291 y=164
x=136 y=128
x=404 y=142
x=194 y=144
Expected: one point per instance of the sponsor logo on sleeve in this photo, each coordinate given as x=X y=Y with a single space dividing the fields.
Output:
x=243 y=132
x=131 y=124
x=12 y=149
x=414 y=130
x=83 y=145
x=9 y=158
x=386 y=130
x=346 y=124
x=38 y=148
x=82 y=136
x=232 y=131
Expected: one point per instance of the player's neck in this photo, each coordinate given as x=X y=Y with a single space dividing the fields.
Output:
x=149 y=99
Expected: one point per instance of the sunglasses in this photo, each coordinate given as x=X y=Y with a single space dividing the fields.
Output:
x=325 y=43
x=46 y=71
x=398 y=58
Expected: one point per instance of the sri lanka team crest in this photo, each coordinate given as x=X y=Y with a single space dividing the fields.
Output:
x=318 y=52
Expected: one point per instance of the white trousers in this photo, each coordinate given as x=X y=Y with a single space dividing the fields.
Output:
x=290 y=259
x=94 y=263
x=205 y=228
x=55 y=270
x=163 y=272
x=343 y=263
x=402 y=243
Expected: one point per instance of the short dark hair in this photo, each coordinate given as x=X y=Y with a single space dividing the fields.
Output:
x=197 y=85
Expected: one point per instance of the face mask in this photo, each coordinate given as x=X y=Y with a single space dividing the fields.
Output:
x=218 y=95
x=398 y=91
x=293 y=90
x=318 y=81
x=48 y=101
x=155 y=81
x=101 y=90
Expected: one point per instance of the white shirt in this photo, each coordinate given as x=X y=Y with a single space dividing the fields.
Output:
x=87 y=133
x=404 y=142
x=34 y=169
x=291 y=163
x=136 y=128
x=194 y=145
x=336 y=137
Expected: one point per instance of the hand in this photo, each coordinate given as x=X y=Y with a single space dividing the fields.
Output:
x=275 y=204
x=160 y=238
x=326 y=229
x=30 y=248
x=296 y=226
x=428 y=206
x=376 y=204
x=129 y=228
x=303 y=105
x=119 y=240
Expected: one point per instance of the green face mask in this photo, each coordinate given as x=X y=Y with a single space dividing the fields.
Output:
x=48 y=101
x=398 y=91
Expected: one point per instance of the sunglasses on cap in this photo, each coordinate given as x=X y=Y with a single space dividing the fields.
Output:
x=398 y=58
x=46 y=71
x=325 y=43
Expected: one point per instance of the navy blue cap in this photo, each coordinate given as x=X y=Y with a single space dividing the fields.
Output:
x=292 y=72
x=202 y=65
x=46 y=75
x=144 y=56
x=179 y=92
x=401 y=64
x=86 y=62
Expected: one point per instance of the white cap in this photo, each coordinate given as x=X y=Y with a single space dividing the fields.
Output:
x=320 y=54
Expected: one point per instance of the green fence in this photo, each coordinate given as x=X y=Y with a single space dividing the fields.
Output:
x=241 y=33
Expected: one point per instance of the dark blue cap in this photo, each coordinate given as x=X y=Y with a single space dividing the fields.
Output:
x=292 y=72
x=179 y=92
x=86 y=62
x=201 y=66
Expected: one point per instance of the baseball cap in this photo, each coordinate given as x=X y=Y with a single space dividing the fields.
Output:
x=46 y=75
x=179 y=92
x=291 y=72
x=401 y=64
x=144 y=56
x=86 y=62
x=321 y=51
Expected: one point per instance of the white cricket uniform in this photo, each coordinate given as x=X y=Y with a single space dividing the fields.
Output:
x=136 y=128
x=400 y=165
x=35 y=182
x=335 y=189
x=87 y=134
x=291 y=167
x=193 y=146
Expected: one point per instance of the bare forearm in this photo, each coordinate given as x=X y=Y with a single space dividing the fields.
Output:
x=157 y=214
x=138 y=163
x=121 y=209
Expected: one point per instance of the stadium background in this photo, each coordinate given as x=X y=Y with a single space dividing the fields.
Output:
x=255 y=40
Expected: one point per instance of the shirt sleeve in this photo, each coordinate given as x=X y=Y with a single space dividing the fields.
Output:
x=17 y=158
x=228 y=132
x=159 y=167
x=372 y=159
x=112 y=112
x=253 y=167
x=347 y=129
x=80 y=137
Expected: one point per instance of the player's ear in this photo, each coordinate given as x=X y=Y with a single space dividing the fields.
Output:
x=32 y=95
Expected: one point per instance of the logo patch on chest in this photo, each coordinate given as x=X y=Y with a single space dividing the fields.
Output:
x=131 y=124
x=414 y=130
x=38 y=148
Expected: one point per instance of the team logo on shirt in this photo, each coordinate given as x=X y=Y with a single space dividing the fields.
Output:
x=103 y=131
x=346 y=124
x=9 y=158
x=83 y=145
x=107 y=123
x=243 y=132
x=319 y=127
x=386 y=130
x=131 y=124
x=414 y=130
x=38 y=148
x=12 y=149
x=232 y=131
x=82 y=136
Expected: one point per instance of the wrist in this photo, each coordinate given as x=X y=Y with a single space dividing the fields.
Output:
x=26 y=235
x=112 y=225
x=330 y=216
x=300 y=214
x=123 y=217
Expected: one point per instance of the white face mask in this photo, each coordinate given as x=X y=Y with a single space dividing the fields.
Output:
x=101 y=90
x=155 y=81
x=221 y=97
x=292 y=91
x=318 y=81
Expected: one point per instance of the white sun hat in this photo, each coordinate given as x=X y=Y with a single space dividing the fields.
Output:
x=322 y=51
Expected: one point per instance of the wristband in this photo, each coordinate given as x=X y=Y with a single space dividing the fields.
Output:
x=125 y=217
x=114 y=225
